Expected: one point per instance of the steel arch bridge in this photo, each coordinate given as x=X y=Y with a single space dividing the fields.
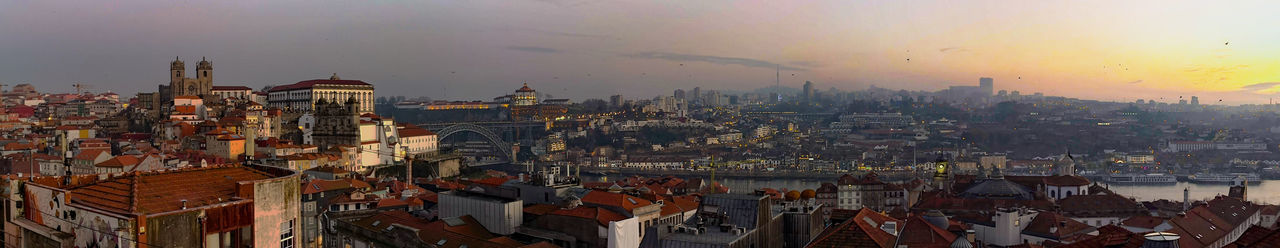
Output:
x=493 y=138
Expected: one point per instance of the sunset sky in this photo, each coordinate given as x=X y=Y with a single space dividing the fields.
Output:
x=478 y=49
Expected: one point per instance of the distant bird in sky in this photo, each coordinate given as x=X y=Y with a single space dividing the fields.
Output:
x=1019 y=77
x=1226 y=43
x=681 y=64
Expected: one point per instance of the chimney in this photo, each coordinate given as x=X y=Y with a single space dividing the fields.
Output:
x=970 y=235
x=184 y=203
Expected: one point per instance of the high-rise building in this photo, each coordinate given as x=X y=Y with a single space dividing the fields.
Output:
x=615 y=101
x=808 y=91
x=1195 y=100
x=697 y=96
x=986 y=84
x=679 y=94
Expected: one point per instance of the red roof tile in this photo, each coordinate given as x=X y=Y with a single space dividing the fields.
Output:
x=120 y=161
x=313 y=83
x=1063 y=180
x=614 y=199
x=149 y=193
x=858 y=231
x=601 y=215
x=919 y=233
x=231 y=88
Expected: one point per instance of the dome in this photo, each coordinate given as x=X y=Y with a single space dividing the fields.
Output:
x=936 y=218
x=998 y=189
x=961 y=242
x=808 y=194
x=525 y=88
x=793 y=195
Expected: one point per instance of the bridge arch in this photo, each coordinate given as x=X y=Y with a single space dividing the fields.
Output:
x=488 y=135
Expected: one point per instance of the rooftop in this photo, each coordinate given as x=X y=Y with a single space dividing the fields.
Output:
x=157 y=192
x=312 y=83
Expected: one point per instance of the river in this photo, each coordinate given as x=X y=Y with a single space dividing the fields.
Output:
x=1266 y=192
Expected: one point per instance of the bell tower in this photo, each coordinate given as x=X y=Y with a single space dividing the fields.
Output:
x=176 y=72
x=204 y=77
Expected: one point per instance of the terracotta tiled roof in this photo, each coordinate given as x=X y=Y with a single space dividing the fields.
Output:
x=601 y=215
x=391 y=202
x=540 y=209
x=1233 y=211
x=120 y=161
x=614 y=199
x=1055 y=226
x=1101 y=205
x=317 y=186
x=415 y=132
x=148 y=193
x=1063 y=180
x=860 y=230
x=312 y=83
x=1270 y=210
x=1258 y=236
x=676 y=204
x=1110 y=236
x=919 y=233
x=1199 y=228
x=89 y=155
x=493 y=181
x=1148 y=222
x=231 y=88
x=186 y=97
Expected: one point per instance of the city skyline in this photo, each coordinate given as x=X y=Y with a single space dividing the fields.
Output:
x=588 y=49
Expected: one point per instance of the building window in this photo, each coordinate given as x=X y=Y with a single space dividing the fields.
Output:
x=286 y=234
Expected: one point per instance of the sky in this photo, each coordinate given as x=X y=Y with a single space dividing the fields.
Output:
x=580 y=49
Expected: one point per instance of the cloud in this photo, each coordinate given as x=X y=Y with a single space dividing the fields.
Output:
x=1259 y=86
x=1135 y=82
x=533 y=49
x=713 y=59
x=568 y=34
x=957 y=49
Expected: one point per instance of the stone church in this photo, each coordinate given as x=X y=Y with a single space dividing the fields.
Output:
x=181 y=85
x=336 y=124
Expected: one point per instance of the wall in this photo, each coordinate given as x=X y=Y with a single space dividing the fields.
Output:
x=175 y=230
x=276 y=201
x=497 y=216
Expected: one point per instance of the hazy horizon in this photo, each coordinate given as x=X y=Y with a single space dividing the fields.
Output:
x=464 y=50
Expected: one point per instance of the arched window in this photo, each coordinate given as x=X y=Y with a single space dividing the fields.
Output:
x=1068 y=193
x=1053 y=193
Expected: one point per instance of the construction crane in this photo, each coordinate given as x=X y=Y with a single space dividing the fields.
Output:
x=80 y=87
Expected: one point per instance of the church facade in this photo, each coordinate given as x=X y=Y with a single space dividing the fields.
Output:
x=180 y=84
